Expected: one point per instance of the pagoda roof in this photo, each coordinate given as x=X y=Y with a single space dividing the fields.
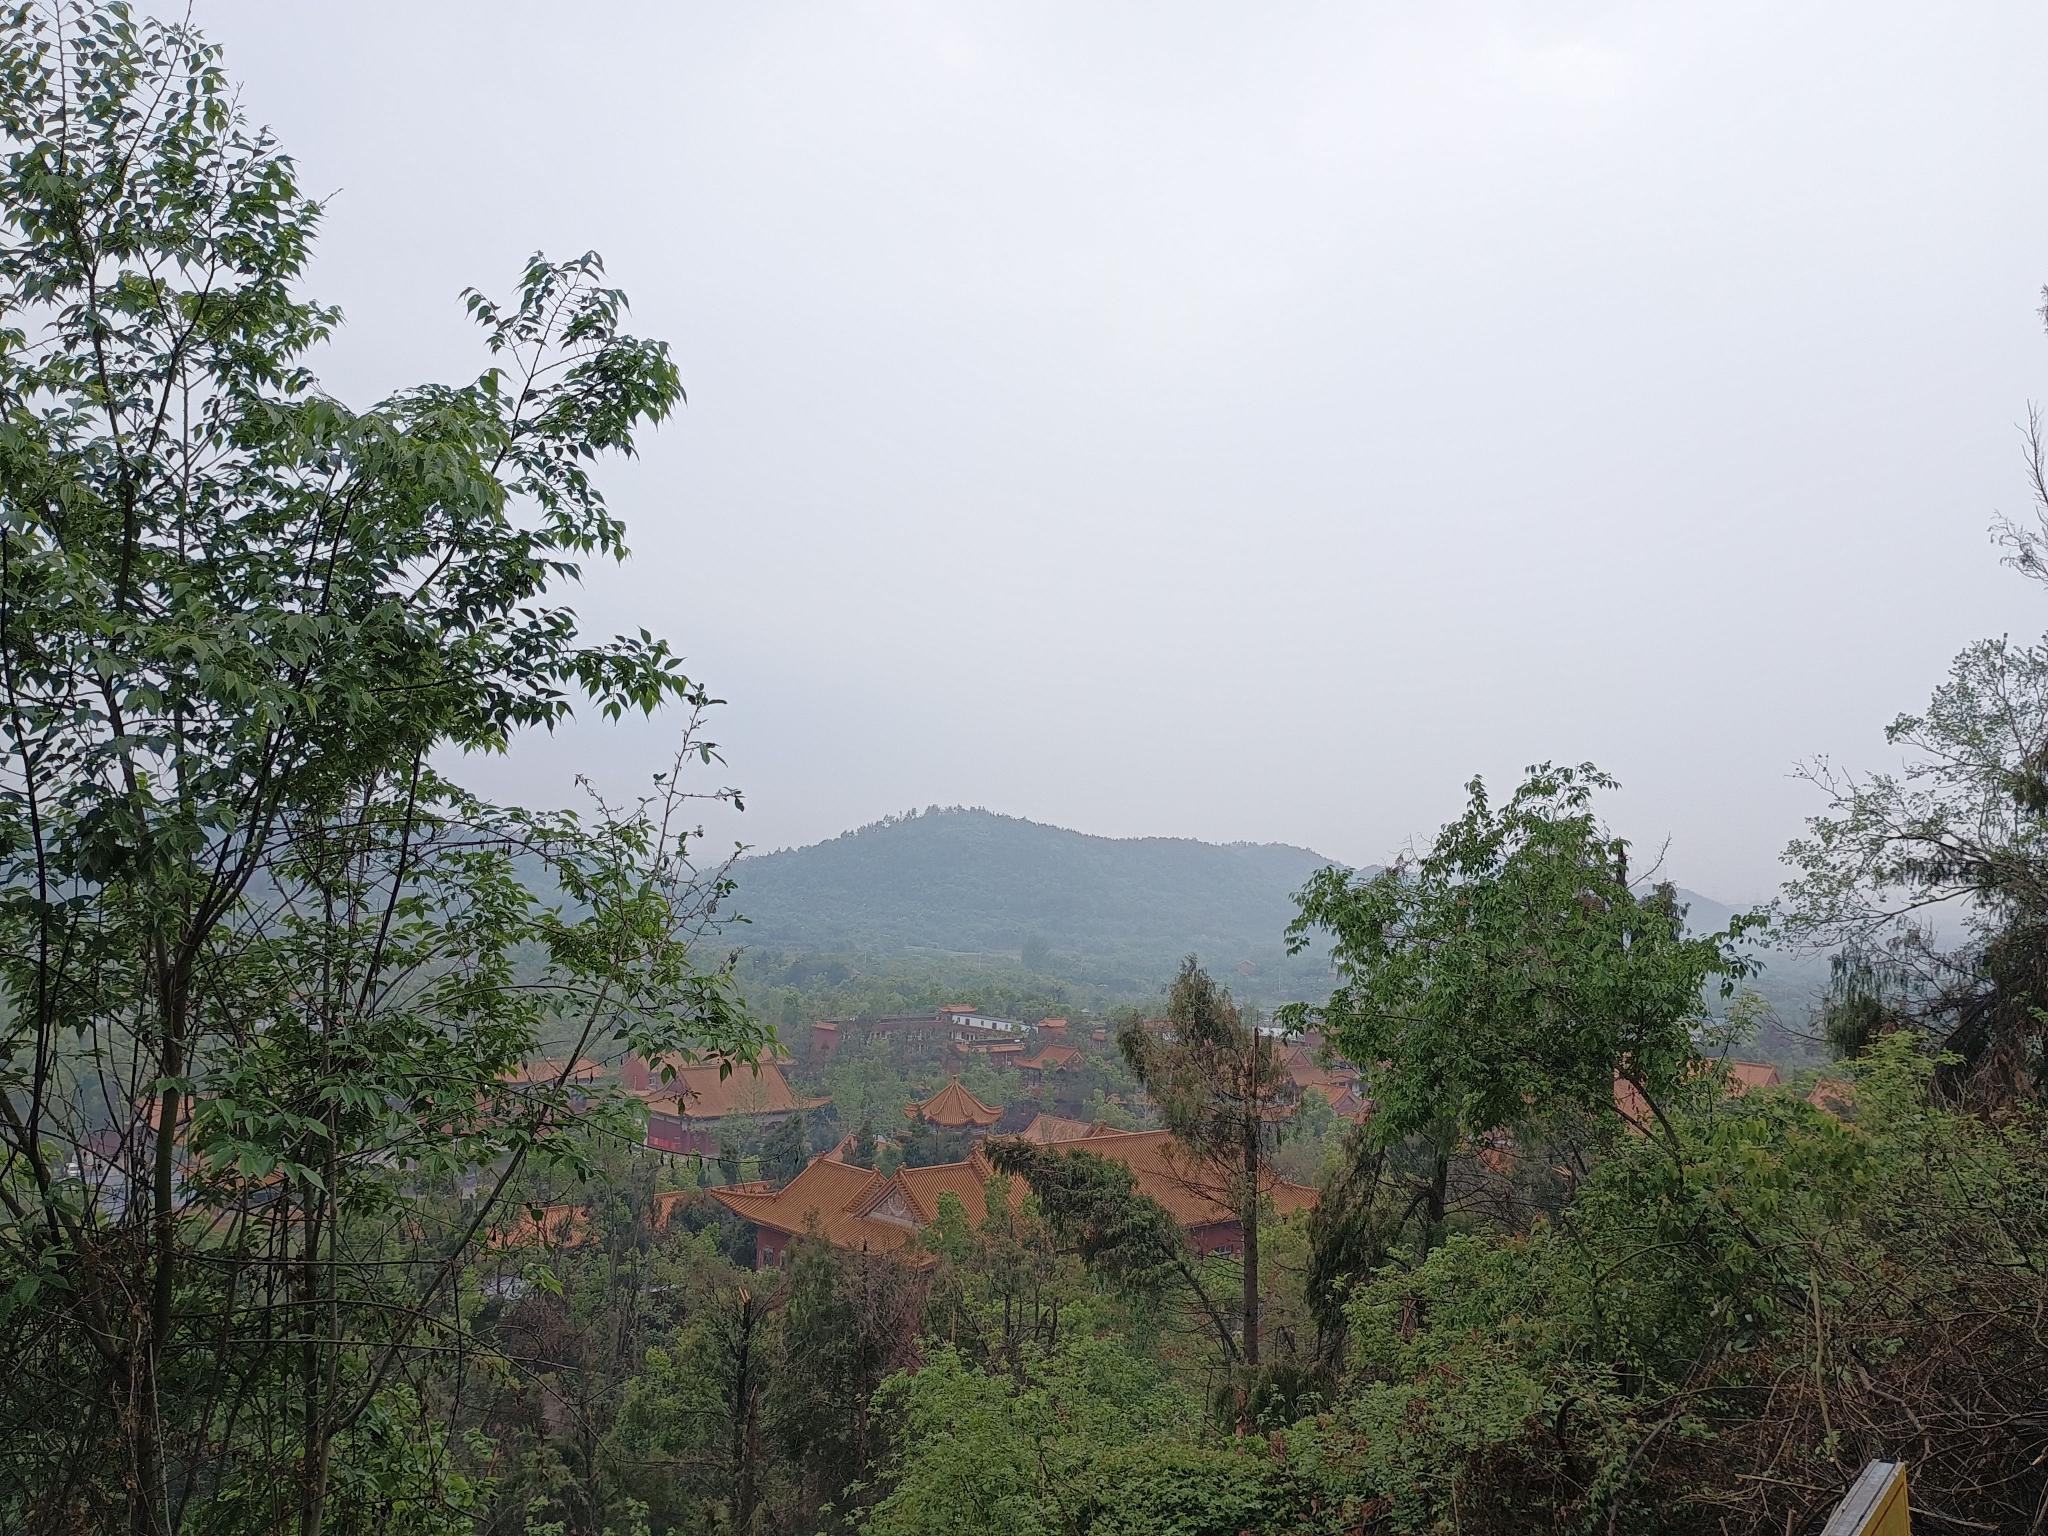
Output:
x=954 y=1107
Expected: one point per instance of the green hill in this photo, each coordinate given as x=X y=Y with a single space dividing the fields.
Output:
x=1017 y=914
x=1112 y=915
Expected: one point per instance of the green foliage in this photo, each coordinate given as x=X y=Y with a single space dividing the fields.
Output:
x=1094 y=1204
x=1513 y=969
x=1018 y=1452
x=867 y=1087
x=1720 y=1334
x=1962 y=829
x=1218 y=1084
x=1215 y=1489
x=1215 y=1077
x=850 y=1323
x=927 y=1144
x=692 y=1435
x=1086 y=1436
x=929 y=895
x=1093 y=1209
x=786 y=1150
x=271 y=964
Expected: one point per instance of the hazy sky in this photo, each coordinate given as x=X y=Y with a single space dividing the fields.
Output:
x=1242 y=421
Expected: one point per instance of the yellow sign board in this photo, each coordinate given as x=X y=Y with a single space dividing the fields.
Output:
x=1875 y=1504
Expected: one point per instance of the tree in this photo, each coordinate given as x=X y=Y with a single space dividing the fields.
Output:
x=696 y=1416
x=850 y=1321
x=1348 y=1234
x=1120 y=1234
x=1957 y=839
x=1221 y=1089
x=786 y=1150
x=269 y=965
x=1961 y=834
x=731 y=1167
x=1312 y=1134
x=1001 y=1286
x=926 y=1144
x=699 y=1410
x=1562 y=1379
x=1012 y=1451
x=1512 y=971
x=864 y=1084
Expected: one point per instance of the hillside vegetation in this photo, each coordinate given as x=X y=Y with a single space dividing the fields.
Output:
x=1110 y=915
x=1016 y=914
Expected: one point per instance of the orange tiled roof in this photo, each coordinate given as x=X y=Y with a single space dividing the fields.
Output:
x=967 y=1182
x=1165 y=1171
x=547 y=1069
x=857 y=1208
x=953 y=1107
x=1306 y=1065
x=835 y=1195
x=1056 y=1057
x=1745 y=1075
x=555 y=1226
x=749 y=1088
x=1046 y=1129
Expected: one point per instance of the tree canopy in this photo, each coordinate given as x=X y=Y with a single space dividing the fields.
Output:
x=1514 y=968
x=272 y=965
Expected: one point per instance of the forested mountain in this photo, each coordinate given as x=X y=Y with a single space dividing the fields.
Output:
x=1103 y=912
x=970 y=892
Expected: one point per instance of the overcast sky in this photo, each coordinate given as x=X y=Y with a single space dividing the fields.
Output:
x=1243 y=422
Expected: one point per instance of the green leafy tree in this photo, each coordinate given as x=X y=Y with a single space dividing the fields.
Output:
x=731 y=1166
x=1219 y=1086
x=1127 y=1238
x=927 y=1144
x=866 y=1084
x=694 y=1431
x=1015 y=1451
x=1960 y=833
x=1001 y=1286
x=1930 y=882
x=1704 y=1341
x=786 y=1150
x=269 y=966
x=850 y=1321
x=1513 y=970
x=1312 y=1135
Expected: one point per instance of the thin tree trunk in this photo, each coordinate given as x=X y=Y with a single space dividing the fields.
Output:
x=1439 y=1191
x=143 y=1409
x=744 y=1495
x=1248 y=1218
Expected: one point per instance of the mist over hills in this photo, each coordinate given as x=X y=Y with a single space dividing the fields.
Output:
x=1112 y=916
x=1108 y=913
